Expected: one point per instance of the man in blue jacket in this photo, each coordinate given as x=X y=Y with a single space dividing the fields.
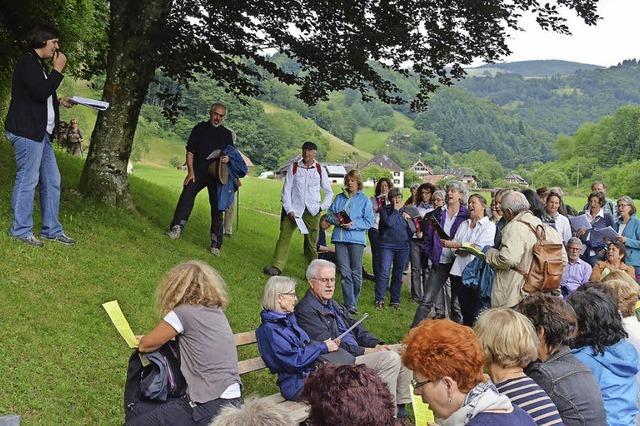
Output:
x=31 y=119
x=207 y=137
x=323 y=318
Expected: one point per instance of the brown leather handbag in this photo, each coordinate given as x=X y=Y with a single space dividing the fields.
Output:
x=545 y=273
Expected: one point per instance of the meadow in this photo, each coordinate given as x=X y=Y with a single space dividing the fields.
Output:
x=61 y=359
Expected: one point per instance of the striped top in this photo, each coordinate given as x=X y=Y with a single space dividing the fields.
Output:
x=526 y=394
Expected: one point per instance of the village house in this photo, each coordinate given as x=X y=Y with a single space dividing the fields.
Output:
x=382 y=160
x=516 y=179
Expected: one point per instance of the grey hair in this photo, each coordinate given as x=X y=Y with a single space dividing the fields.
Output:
x=557 y=190
x=254 y=412
x=316 y=265
x=575 y=241
x=461 y=188
x=394 y=192
x=514 y=201
x=628 y=200
x=440 y=193
x=276 y=285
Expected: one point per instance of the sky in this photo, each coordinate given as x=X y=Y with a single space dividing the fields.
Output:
x=614 y=38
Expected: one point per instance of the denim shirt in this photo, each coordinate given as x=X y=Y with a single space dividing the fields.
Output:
x=572 y=388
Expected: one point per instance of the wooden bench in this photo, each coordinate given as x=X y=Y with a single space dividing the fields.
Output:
x=297 y=410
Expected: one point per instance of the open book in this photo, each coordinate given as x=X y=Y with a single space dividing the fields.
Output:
x=99 y=105
x=470 y=248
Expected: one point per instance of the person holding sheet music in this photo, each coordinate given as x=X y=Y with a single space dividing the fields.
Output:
x=31 y=119
x=394 y=235
x=352 y=214
x=284 y=346
x=449 y=219
x=599 y=219
x=479 y=231
x=377 y=202
x=628 y=227
x=323 y=318
x=419 y=262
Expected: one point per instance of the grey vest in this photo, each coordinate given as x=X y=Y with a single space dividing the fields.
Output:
x=208 y=356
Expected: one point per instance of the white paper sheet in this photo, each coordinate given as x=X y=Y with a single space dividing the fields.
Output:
x=301 y=226
x=93 y=103
x=580 y=221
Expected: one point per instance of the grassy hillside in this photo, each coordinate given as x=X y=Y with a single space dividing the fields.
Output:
x=62 y=362
x=371 y=140
x=536 y=68
x=338 y=151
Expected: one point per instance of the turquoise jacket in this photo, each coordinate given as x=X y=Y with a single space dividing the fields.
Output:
x=360 y=211
x=632 y=233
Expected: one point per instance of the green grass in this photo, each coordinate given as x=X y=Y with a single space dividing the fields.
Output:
x=338 y=149
x=370 y=140
x=62 y=360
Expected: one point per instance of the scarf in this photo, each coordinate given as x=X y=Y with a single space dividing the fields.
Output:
x=484 y=396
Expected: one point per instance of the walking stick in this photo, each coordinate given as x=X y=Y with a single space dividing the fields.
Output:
x=238 y=210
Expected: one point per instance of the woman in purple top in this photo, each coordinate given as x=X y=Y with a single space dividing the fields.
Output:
x=442 y=258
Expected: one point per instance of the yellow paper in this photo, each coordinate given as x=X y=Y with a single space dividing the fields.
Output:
x=421 y=411
x=121 y=323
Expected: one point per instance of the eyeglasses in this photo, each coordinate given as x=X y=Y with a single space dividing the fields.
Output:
x=325 y=280
x=292 y=294
x=416 y=384
x=623 y=205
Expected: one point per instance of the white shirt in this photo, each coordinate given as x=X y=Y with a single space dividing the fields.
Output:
x=621 y=227
x=302 y=190
x=481 y=235
x=447 y=254
x=233 y=390
x=563 y=226
x=51 y=114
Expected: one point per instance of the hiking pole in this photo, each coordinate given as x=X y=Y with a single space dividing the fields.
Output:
x=238 y=210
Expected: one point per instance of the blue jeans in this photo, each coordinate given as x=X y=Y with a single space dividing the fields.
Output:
x=396 y=256
x=35 y=164
x=349 y=261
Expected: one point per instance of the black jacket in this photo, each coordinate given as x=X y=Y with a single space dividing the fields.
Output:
x=319 y=321
x=27 y=116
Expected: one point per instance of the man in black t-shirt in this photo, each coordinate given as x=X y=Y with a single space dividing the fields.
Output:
x=205 y=137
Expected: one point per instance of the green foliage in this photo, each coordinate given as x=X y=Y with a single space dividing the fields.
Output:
x=539 y=68
x=175 y=162
x=375 y=173
x=467 y=123
x=411 y=177
x=561 y=104
x=485 y=165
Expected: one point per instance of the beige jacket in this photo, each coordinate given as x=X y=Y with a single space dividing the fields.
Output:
x=516 y=250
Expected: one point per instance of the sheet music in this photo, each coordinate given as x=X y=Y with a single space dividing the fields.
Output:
x=364 y=317
x=301 y=226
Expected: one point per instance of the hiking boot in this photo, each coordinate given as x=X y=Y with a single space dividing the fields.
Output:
x=62 y=239
x=271 y=271
x=352 y=310
x=31 y=240
x=215 y=251
x=175 y=232
x=395 y=306
x=379 y=304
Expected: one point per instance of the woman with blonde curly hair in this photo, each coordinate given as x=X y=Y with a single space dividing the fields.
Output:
x=191 y=299
x=447 y=362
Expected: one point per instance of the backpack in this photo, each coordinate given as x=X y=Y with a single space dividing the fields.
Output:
x=318 y=168
x=545 y=273
x=140 y=383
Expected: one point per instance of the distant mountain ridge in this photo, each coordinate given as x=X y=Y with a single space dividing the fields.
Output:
x=534 y=68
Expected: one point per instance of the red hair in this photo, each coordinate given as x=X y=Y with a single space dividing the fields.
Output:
x=439 y=348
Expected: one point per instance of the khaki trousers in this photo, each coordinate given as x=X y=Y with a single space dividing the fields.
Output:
x=388 y=366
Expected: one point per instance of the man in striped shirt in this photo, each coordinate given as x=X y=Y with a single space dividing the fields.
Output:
x=510 y=343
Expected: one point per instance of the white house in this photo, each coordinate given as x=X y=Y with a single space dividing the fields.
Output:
x=421 y=168
x=336 y=173
x=382 y=160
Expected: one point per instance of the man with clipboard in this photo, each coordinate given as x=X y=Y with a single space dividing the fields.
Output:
x=323 y=318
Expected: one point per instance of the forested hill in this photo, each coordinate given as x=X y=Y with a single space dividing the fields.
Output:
x=537 y=68
x=561 y=104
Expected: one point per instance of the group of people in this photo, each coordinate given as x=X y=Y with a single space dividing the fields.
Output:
x=544 y=361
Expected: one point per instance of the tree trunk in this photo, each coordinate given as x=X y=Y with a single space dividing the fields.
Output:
x=135 y=38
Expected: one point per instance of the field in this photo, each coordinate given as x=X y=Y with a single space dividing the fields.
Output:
x=62 y=362
x=371 y=140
